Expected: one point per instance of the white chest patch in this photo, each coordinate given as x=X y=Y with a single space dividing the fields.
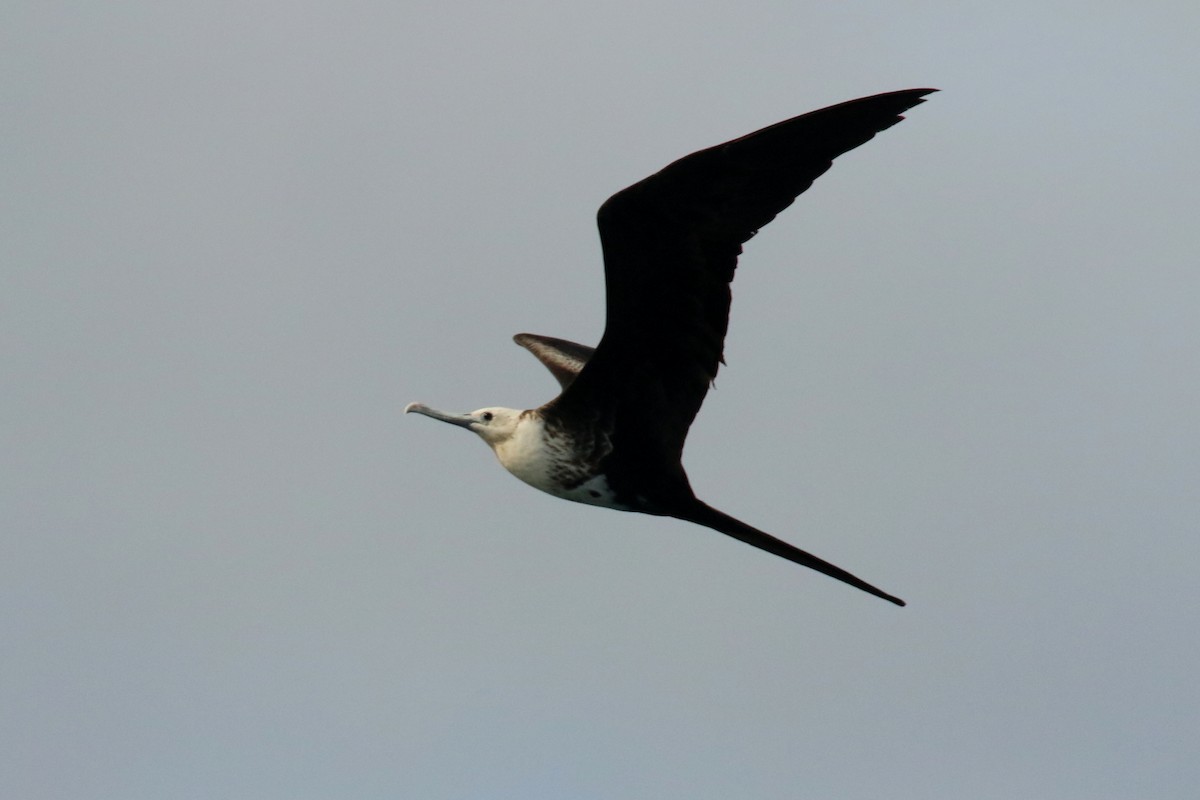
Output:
x=547 y=463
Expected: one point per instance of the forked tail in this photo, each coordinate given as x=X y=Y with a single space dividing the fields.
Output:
x=709 y=517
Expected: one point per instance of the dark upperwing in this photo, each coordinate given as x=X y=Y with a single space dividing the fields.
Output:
x=671 y=243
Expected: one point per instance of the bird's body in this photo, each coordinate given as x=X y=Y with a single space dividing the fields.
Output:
x=542 y=455
x=614 y=436
x=557 y=462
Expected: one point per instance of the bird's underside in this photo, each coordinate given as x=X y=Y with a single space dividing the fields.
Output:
x=565 y=359
x=614 y=436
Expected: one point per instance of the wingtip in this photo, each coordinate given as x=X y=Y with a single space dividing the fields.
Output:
x=918 y=96
x=913 y=98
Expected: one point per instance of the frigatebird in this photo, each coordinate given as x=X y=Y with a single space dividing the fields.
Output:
x=614 y=436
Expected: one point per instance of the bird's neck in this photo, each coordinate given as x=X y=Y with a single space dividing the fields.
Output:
x=528 y=453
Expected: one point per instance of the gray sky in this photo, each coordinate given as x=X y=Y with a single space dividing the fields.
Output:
x=237 y=238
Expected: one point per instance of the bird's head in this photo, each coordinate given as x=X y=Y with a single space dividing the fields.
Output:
x=493 y=425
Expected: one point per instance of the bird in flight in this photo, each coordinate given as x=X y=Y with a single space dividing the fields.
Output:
x=614 y=436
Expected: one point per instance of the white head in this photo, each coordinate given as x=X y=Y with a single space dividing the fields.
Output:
x=494 y=425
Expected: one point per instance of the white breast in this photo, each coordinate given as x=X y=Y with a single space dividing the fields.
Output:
x=547 y=463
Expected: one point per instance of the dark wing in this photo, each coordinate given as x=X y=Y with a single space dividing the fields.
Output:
x=564 y=359
x=671 y=244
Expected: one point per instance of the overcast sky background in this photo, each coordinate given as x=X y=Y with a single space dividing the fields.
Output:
x=237 y=238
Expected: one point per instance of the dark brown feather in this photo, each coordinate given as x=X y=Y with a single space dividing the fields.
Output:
x=564 y=359
x=671 y=244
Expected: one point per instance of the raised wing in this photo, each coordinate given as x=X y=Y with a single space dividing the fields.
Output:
x=671 y=244
x=564 y=359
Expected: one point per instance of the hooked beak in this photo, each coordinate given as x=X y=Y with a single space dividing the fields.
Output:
x=461 y=420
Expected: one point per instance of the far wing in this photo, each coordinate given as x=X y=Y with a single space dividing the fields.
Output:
x=564 y=359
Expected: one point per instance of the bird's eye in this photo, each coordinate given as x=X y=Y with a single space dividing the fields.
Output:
x=486 y=416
